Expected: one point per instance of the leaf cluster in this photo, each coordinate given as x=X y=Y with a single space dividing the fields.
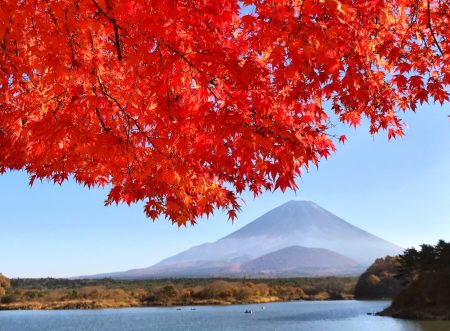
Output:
x=184 y=105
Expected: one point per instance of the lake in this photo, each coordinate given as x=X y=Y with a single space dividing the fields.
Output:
x=286 y=316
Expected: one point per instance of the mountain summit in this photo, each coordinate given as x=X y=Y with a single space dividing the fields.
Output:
x=347 y=249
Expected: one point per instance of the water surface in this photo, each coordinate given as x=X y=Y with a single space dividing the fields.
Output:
x=286 y=316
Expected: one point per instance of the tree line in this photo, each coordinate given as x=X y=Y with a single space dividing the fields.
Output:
x=64 y=293
x=428 y=259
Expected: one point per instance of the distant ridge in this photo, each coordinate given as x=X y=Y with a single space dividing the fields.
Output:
x=300 y=261
x=293 y=224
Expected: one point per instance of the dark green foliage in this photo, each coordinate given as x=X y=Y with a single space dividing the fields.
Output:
x=427 y=272
x=429 y=259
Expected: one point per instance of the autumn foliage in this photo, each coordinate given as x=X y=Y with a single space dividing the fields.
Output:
x=186 y=104
x=4 y=285
x=49 y=293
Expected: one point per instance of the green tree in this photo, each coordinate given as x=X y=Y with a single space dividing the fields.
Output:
x=427 y=295
x=409 y=266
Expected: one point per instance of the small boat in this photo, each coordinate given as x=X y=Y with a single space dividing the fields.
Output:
x=262 y=307
x=248 y=311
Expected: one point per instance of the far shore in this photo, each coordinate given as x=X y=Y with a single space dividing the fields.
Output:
x=111 y=304
x=54 y=294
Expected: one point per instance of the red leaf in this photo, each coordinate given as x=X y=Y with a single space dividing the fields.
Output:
x=189 y=105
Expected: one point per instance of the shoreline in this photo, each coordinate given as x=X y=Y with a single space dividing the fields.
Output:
x=429 y=314
x=56 y=294
x=417 y=314
x=106 y=304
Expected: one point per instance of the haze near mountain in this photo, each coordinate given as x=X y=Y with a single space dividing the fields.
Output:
x=296 y=229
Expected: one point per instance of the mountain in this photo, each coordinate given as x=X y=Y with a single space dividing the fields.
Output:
x=296 y=223
x=296 y=261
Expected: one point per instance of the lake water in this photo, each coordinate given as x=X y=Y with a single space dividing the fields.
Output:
x=286 y=316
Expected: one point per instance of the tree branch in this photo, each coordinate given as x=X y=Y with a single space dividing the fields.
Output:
x=113 y=21
x=430 y=27
x=123 y=111
x=102 y=123
x=191 y=65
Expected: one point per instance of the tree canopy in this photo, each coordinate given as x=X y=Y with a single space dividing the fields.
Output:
x=186 y=104
x=426 y=272
x=379 y=281
x=429 y=259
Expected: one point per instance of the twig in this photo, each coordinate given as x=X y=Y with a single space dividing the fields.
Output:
x=123 y=111
x=431 y=29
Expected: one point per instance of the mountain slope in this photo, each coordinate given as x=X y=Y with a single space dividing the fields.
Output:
x=300 y=261
x=296 y=223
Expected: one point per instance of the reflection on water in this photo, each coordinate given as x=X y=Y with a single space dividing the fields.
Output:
x=288 y=316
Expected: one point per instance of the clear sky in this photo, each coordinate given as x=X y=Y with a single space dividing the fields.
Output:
x=398 y=190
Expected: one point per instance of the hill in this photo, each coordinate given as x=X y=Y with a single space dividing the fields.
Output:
x=379 y=280
x=426 y=272
x=298 y=261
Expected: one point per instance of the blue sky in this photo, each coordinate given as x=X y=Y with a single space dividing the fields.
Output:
x=398 y=190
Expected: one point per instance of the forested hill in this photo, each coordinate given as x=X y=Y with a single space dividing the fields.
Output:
x=379 y=281
x=426 y=272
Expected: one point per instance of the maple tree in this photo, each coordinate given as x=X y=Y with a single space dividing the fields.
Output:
x=186 y=104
